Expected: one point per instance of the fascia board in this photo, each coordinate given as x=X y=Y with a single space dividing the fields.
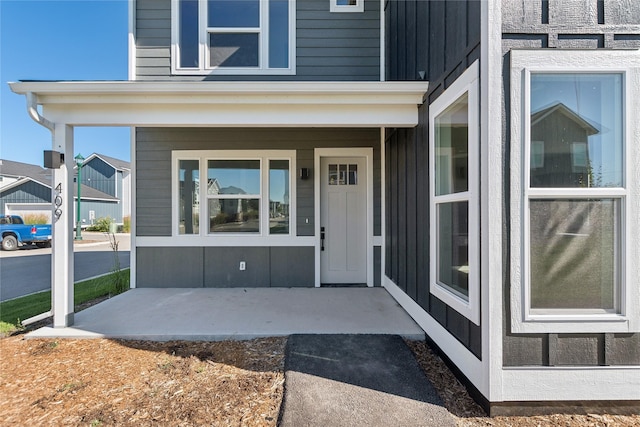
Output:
x=224 y=92
x=97 y=87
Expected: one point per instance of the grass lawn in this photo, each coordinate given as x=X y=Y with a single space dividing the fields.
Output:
x=13 y=312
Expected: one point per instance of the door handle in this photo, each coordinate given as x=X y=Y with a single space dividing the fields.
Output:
x=322 y=238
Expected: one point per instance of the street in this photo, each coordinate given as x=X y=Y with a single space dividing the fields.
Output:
x=28 y=270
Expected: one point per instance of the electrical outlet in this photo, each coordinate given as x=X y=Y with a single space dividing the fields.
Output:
x=243 y=266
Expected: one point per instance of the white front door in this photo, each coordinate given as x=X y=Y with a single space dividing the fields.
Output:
x=343 y=222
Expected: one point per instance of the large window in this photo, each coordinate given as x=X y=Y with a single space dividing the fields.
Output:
x=572 y=200
x=245 y=193
x=453 y=128
x=233 y=36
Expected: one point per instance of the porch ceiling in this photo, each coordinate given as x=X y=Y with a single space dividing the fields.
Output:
x=255 y=104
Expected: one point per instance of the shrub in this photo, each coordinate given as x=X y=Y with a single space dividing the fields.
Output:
x=126 y=224
x=102 y=224
x=35 y=219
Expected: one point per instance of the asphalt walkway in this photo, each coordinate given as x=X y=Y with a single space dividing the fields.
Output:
x=357 y=380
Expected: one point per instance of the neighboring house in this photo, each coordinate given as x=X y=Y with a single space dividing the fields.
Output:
x=560 y=148
x=28 y=191
x=110 y=176
x=402 y=144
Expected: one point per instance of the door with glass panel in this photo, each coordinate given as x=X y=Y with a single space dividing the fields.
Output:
x=343 y=225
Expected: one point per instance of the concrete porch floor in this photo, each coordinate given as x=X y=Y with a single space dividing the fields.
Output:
x=238 y=314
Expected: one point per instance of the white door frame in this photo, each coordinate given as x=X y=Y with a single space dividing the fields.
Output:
x=367 y=153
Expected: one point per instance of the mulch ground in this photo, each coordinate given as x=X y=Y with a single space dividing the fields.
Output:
x=138 y=383
x=230 y=383
x=469 y=414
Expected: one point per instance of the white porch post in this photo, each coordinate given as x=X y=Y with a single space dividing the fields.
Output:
x=62 y=233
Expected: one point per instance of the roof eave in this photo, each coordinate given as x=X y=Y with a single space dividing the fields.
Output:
x=257 y=104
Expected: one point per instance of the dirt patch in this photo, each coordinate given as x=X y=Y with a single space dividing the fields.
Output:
x=105 y=382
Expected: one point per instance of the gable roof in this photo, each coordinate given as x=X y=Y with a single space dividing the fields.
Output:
x=560 y=108
x=25 y=172
x=88 y=193
x=112 y=161
x=19 y=170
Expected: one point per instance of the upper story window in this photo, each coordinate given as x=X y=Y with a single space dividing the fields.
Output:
x=233 y=37
x=572 y=205
x=346 y=6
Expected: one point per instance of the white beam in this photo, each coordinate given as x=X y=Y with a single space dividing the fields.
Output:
x=62 y=233
x=230 y=115
x=254 y=104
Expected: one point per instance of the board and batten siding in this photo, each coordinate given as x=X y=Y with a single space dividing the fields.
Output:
x=329 y=46
x=439 y=39
x=101 y=176
x=29 y=192
x=574 y=24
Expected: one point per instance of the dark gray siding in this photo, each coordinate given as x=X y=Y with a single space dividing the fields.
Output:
x=29 y=192
x=440 y=40
x=217 y=267
x=169 y=267
x=584 y=24
x=99 y=175
x=153 y=163
x=329 y=46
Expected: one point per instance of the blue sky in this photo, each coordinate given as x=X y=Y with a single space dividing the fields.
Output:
x=59 y=40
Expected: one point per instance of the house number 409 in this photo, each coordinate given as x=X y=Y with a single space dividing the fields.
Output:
x=57 y=201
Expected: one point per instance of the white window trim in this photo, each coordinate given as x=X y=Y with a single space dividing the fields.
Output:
x=467 y=83
x=523 y=320
x=233 y=239
x=204 y=30
x=335 y=7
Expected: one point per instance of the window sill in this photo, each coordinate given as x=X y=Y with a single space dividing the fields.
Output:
x=347 y=9
x=456 y=302
x=604 y=323
x=233 y=72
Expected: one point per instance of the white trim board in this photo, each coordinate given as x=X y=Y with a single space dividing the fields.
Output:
x=133 y=207
x=225 y=241
x=571 y=384
x=523 y=62
x=131 y=39
x=234 y=239
x=244 y=104
x=467 y=83
x=491 y=196
x=204 y=30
